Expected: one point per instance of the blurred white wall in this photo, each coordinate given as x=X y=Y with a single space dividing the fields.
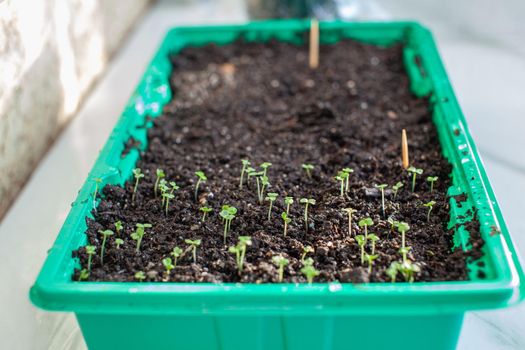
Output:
x=51 y=52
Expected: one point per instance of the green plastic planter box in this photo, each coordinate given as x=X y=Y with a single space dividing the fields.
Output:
x=289 y=316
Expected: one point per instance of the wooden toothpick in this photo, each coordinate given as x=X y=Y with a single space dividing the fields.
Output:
x=404 y=149
x=314 y=44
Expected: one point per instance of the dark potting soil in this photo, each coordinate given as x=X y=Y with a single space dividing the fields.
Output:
x=261 y=102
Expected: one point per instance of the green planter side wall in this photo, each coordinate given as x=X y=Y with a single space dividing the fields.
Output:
x=288 y=316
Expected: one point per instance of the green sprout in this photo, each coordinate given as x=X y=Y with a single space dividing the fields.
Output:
x=308 y=168
x=118 y=226
x=366 y=222
x=341 y=177
x=349 y=211
x=265 y=167
x=393 y=223
x=271 y=197
x=429 y=205
x=140 y=276
x=205 y=210
x=105 y=234
x=280 y=262
x=83 y=275
x=432 y=179
x=251 y=172
x=347 y=171
x=396 y=188
x=160 y=175
x=163 y=187
x=262 y=183
x=240 y=251
x=193 y=247
x=98 y=181
x=90 y=251
x=382 y=189
x=307 y=249
x=408 y=269
x=119 y=242
x=286 y=221
x=370 y=260
x=392 y=270
x=306 y=202
x=139 y=234
x=201 y=179
x=309 y=270
x=137 y=174
x=361 y=242
x=373 y=238
x=228 y=214
x=403 y=227
x=176 y=253
x=245 y=165
x=415 y=172
x=288 y=201
x=168 y=265
x=166 y=197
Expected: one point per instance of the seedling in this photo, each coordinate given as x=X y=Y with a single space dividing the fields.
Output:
x=205 y=210
x=308 y=168
x=251 y=172
x=403 y=227
x=173 y=186
x=163 y=187
x=140 y=276
x=193 y=247
x=373 y=238
x=240 y=251
x=118 y=227
x=286 y=220
x=105 y=234
x=280 y=262
x=271 y=197
x=382 y=189
x=392 y=270
x=83 y=275
x=393 y=223
x=408 y=269
x=341 y=177
x=349 y=211
x=370 y=260
x=396 y=188
x=201 y=179
x=347 y=171
x=228 y=214
x=415 y=172
x=361 y=241
x=139 y=234
x=245 y=165
x=166 y=197
x=366 y=222
x=264 y=184
x=265 y=167
x=119 y=242
x=288 y=201
x=432 y=179
x=98 y=181
x=137 y=174
x=160 y=175
x=309 y=270
x=176 y=253
x=429 y=205
x=90 y=251
x=306 y=202
x=168 y=265
x=306 y=250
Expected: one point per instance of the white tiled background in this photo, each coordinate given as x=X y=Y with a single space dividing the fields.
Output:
x=481 y=43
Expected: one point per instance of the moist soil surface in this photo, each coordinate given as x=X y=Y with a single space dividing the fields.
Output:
x=261 y=102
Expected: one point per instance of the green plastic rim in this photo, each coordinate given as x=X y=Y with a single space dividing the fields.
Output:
x=54 y=289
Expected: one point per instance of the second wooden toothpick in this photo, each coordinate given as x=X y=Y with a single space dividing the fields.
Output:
x=314 y=44
x=404 y=149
